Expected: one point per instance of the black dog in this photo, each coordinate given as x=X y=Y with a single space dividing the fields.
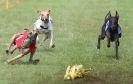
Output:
x=112 y=30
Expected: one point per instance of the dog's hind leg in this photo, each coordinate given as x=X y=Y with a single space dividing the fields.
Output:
x=45 y=38
x=12 y=41
x=17 y=57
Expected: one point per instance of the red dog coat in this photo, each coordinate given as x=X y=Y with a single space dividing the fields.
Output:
x=19 y=41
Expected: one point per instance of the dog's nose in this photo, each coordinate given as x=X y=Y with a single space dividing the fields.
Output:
x=113 y=26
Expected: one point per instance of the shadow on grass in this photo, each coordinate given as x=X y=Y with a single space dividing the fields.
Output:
x=88 y=80
x=113 y=57
x=46 y=49
x=35 y=62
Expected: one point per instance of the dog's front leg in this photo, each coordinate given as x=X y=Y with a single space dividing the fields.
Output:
x=31 y=56
x=108 y=39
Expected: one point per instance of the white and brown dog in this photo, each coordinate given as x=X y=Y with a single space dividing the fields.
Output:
x=44 y=24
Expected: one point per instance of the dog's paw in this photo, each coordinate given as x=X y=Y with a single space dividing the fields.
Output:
x=7 y=51
x=53 y=46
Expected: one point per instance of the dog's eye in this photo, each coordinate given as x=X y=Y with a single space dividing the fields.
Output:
x=41 y=18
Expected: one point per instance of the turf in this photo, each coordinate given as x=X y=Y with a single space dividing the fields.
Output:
x=76 y=28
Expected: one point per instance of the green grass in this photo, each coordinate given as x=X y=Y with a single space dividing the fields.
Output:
x=76 y=27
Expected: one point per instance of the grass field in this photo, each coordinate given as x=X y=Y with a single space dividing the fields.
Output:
x=76 y=27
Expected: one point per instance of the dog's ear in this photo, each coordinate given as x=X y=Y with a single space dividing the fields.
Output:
x=38 y=11
x=49 y=10
x=108 y=15
x=117 y=15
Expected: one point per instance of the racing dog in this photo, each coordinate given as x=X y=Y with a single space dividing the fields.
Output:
x=112 y=30
x=25 y=42
x=44 y=25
